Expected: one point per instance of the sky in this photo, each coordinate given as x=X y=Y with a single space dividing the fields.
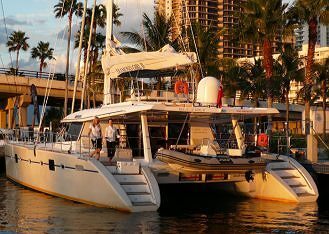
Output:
x=36 y=18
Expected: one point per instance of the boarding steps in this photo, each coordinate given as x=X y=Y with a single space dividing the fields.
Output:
x=292 y=177
x=137 y=188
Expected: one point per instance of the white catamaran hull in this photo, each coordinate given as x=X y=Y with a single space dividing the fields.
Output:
x=86 y=181
x=282 y=179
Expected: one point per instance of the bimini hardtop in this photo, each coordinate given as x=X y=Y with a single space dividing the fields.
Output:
x=131 y=107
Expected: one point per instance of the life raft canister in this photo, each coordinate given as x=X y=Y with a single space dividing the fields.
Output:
x=262 y=140
x=181 y=87
x=219 y=97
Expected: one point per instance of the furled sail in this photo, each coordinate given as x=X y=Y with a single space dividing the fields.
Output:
x=166 y=58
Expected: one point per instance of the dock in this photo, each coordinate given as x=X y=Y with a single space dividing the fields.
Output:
x=320 y=173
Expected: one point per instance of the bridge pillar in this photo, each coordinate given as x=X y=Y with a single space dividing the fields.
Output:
x=22 y=102
x=3 y=119
x=11 y=124
x=22 y=115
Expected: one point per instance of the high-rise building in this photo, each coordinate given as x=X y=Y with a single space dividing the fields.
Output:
x=301 y=34
x=217 y=14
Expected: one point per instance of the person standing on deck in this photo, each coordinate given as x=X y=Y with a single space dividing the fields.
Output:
x=111 y=136
x=95 y=133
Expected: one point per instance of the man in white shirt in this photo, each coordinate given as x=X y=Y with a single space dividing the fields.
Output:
x=95 y=134
x=111 y=136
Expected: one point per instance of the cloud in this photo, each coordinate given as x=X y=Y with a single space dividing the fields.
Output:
x=129 y=21
x=132 y=14
x=63 y=33
x=11 y=20
x=3 y=35
x=59 y=64
x=29 y=20
x=25 y=64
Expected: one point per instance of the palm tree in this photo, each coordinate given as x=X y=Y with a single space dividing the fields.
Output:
x=157 y=33
x=310 y=12
x=69 y=8
x=322 y=78
x=42 y=52
x=17 y=41
x=116 y=15
x=206 y=42
x=288 y=68
x=256 y=81
x=261 y=22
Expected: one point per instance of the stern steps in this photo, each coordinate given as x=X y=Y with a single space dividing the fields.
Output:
x=295 y=180
x=137 y=189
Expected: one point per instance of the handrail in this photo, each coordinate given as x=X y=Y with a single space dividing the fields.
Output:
x=35 y=74
x=46 y=138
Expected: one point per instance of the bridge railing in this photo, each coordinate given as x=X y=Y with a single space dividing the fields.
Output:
x=34 y=74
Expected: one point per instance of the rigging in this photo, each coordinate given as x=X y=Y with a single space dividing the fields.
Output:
x=4 y=21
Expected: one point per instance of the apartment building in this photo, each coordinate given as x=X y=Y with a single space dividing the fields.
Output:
x=217 y=14
x=301 y=34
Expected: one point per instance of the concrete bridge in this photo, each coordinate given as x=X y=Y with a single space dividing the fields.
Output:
x=17 y=88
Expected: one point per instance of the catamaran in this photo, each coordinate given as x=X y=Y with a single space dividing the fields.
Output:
x=168 y=137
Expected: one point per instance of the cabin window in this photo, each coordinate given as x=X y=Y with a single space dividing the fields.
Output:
x=175 y=129
x=73 y=131
x=135 y=139
x=157 y=138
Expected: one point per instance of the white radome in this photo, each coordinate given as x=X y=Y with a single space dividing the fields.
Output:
x=208 y=90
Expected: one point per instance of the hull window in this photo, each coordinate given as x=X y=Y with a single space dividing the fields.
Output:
x=51 y=165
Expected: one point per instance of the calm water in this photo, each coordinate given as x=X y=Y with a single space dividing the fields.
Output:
x=23 y=210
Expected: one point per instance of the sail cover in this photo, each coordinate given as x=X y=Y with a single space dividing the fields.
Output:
x=164 y=59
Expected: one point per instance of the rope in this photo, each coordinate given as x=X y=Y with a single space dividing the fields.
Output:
x=3 y=65
x=185 y=50
x=196 y=48
x=181 y=131
x=77 y=71
x=180 y=34
x=88 y=55
x=316 y=134
x=50 y=76
x=4 y=21
x=143 y=31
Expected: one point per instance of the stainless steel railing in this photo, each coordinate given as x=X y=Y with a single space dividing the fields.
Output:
x=60 y=142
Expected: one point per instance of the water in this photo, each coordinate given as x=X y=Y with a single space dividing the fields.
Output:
x=26 y=211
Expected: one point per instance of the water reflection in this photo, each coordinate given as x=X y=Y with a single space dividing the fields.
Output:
x=22 y=210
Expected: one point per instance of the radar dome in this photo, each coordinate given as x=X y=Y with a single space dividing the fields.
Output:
x=208 y=90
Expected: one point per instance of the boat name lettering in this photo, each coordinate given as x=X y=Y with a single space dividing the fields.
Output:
x=128 y=68
x=193 y=109
x=224 y=159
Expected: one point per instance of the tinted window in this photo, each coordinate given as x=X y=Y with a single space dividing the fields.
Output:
x=73 y=131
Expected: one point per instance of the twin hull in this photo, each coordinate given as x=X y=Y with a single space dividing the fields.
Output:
x=86 y=181
x=89 y=181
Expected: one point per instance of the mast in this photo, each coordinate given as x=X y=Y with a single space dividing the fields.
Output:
x=88 y=57
x=109 y=10
x=108 y=81
x=77 y=71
